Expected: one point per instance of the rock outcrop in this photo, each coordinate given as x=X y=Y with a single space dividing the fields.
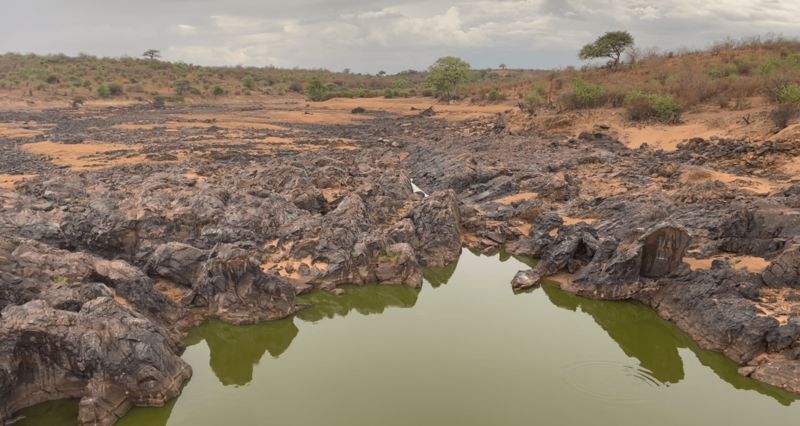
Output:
x=105 y=354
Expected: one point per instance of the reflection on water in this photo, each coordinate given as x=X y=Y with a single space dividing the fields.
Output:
x=236 y=349
x=465 y=350
x=365 y=300
x=654 y=342
x=638 y=331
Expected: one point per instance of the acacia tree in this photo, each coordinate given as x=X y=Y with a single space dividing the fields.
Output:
x=446 y=74
x=610 y=45
x=152 y=54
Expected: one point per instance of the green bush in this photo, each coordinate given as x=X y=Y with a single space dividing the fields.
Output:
x=316 y=90
x=788 y=97
x=532 y=102
x=495 y=95
x=646 y=106
x=584 y=95
x=446 y=75
x=789 y=94
x=249 y=83
x=103 y=91
x=218 y=91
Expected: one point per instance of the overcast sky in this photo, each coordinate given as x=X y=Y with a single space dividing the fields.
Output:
x=368 y=36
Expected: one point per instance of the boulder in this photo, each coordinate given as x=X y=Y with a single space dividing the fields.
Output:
x=437 y=224
x=785 y=269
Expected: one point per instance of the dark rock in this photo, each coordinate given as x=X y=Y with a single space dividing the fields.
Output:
x=785 y=269
x=663 y=250
x=437 y=224
x=105 y=354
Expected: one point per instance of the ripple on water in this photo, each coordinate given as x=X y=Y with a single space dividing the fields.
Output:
x=613 y=382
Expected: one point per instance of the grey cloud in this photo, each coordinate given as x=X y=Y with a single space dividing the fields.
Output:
x=376 y=35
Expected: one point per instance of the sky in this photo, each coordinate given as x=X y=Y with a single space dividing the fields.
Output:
x=378 y=35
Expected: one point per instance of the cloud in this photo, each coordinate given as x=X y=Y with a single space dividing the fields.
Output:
x=186 y=29
x=377 y=35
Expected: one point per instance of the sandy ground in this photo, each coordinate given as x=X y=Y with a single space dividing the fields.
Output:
x=87 y=155
x=759 y=186
x=707 y=122
x=744 y=263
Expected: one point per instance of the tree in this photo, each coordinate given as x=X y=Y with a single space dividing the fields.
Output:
x=611 y=45
x=446 y=74
x=503 y=66
x=152 y=54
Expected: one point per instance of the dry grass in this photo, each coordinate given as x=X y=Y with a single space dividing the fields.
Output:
x=727 y=75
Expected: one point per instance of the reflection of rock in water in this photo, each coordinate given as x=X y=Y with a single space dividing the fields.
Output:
x=729 y=371
x=438 y=276
x=236 y=349
x=638 y=331
x=148 y=416
x=642 y=334
x=371 y=299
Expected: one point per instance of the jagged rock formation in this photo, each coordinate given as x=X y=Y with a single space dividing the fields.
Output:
x=105 y=354
x=131 y=256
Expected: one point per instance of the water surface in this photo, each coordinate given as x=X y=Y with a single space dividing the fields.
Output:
x=464 y=350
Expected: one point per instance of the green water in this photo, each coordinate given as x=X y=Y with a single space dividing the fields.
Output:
x=462 y=351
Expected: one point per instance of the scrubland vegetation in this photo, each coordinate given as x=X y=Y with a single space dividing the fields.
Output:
x=650 y=85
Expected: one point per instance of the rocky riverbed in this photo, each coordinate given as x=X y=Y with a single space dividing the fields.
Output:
x=123 y=228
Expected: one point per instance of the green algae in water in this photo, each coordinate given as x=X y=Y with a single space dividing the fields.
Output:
x=465 y=350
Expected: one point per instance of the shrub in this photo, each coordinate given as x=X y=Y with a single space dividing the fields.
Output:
x=218 y=91
x=53 y=80
x=788 y=109
x=784 y=114
x=532 y=102
x=103 y=91
x=296 y=87
x=316 y=91
x=645 y=106
x=495 y=95
x=182 y=87
x=249 y=83
x=159 y=102
x=584 y=95
x=115 y=89
x=789 y=93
